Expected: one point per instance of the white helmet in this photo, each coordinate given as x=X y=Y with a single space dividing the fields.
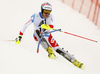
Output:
x=46 y=6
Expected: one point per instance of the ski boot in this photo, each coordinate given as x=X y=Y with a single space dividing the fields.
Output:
x=50 y=53
x=78 y=64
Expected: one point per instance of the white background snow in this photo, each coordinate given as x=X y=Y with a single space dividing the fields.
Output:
x=23 y=59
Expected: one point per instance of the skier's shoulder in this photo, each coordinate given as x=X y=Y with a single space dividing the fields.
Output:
x=35 y=14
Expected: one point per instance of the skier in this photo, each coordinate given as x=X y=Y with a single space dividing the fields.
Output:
x=48 y=43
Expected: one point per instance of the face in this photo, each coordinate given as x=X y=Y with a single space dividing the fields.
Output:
x=46 y=13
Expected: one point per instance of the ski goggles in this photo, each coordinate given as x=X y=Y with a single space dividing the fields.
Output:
x=47 y=11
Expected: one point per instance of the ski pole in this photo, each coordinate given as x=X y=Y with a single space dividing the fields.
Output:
x=45 y=35
x=47 y=27
x=78 y=36
x=9 y=40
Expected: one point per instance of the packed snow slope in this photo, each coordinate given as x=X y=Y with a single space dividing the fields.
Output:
x=23 y=59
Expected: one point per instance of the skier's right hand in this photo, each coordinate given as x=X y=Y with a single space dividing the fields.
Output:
x=18 y=39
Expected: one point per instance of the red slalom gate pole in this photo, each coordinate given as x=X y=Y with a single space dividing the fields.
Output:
x=95 y=10
x=81 y=6
x=73 y=3
x=90 y=9
x=79 y=36
x=97 y=14
x=63 y=1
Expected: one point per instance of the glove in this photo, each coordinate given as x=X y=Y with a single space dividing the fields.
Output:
x=18 y=39
x=45 y=26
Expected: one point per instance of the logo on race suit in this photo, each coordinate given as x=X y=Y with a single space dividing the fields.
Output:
x=56 y=44
x=52 y=40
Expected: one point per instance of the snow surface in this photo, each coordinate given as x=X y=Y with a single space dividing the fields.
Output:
x=23 y=59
